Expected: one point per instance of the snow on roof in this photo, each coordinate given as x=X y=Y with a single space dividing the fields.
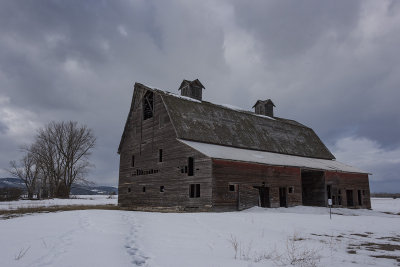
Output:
x=232 y=153
x=232 y=107
x=176 y=95
x=244 y=110
x=264 y=116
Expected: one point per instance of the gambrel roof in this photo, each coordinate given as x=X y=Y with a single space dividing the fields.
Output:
x=205 y=122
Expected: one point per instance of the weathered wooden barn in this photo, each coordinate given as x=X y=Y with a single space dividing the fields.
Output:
x=178 y=152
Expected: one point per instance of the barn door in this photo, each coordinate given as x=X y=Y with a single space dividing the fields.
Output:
x=282 y=197
x=349 y=196
x=247 y=196
x=264 y=197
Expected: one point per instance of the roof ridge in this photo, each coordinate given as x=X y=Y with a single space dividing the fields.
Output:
x=248 y=112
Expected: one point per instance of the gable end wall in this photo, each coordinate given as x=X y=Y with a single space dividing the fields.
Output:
x=143 y=139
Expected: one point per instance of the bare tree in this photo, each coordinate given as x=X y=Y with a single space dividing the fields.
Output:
x=51 y=162
x=28 y=171
x=60 y=154
x=74 y=144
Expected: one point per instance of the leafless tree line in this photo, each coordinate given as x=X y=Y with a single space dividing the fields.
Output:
x=57 y=159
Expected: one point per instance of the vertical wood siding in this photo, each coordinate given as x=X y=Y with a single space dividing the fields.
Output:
x=143 y=139
x=250 y=175
x=350 y=181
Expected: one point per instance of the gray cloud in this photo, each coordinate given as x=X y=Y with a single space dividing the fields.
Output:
x=3 y=128
x=336 y=57
x=332 y=66
x=286 y=30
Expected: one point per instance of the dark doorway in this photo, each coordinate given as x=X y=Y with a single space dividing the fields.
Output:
x=359 y=198
x=313 y=188
x=264 y=197
x=282 y=197
x=349 y=196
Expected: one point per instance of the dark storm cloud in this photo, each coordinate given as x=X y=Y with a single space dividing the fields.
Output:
x=333 y=66
x=39 y=39
x=79 y=60
x=320 y=46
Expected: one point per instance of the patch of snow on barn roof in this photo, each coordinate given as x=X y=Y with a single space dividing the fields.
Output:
x=233 y=107
x=176 y=95
x=264 y=116
x=263 y=157
x=244 y=110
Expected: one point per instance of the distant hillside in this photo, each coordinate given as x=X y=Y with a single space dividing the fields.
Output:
x=11 y=182
x=76 y=189
x=93 y=190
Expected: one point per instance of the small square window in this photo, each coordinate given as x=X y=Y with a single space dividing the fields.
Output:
x=129 y=189
x=133 y=161
x=232 y=188
x=291 y=190
x=162 y=189
x=144 y=189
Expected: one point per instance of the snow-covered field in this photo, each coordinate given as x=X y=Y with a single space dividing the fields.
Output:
x=74 y=200
x=263 y=237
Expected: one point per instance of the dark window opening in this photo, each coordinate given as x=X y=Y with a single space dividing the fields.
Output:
x=232 y=187
x=333 y=200
x=339 y=200
x=339 y=192
x=190 y=166
x=133 y=161
x=129 y=189
x=148 y=105
x=160 y=155
x=162 y=189
x=144 y=189
x=194 y=190
x=291 y=190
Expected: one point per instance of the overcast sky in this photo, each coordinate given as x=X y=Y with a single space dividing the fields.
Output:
x=331 y=65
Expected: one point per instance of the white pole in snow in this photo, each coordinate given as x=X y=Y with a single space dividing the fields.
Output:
x=330 y=208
